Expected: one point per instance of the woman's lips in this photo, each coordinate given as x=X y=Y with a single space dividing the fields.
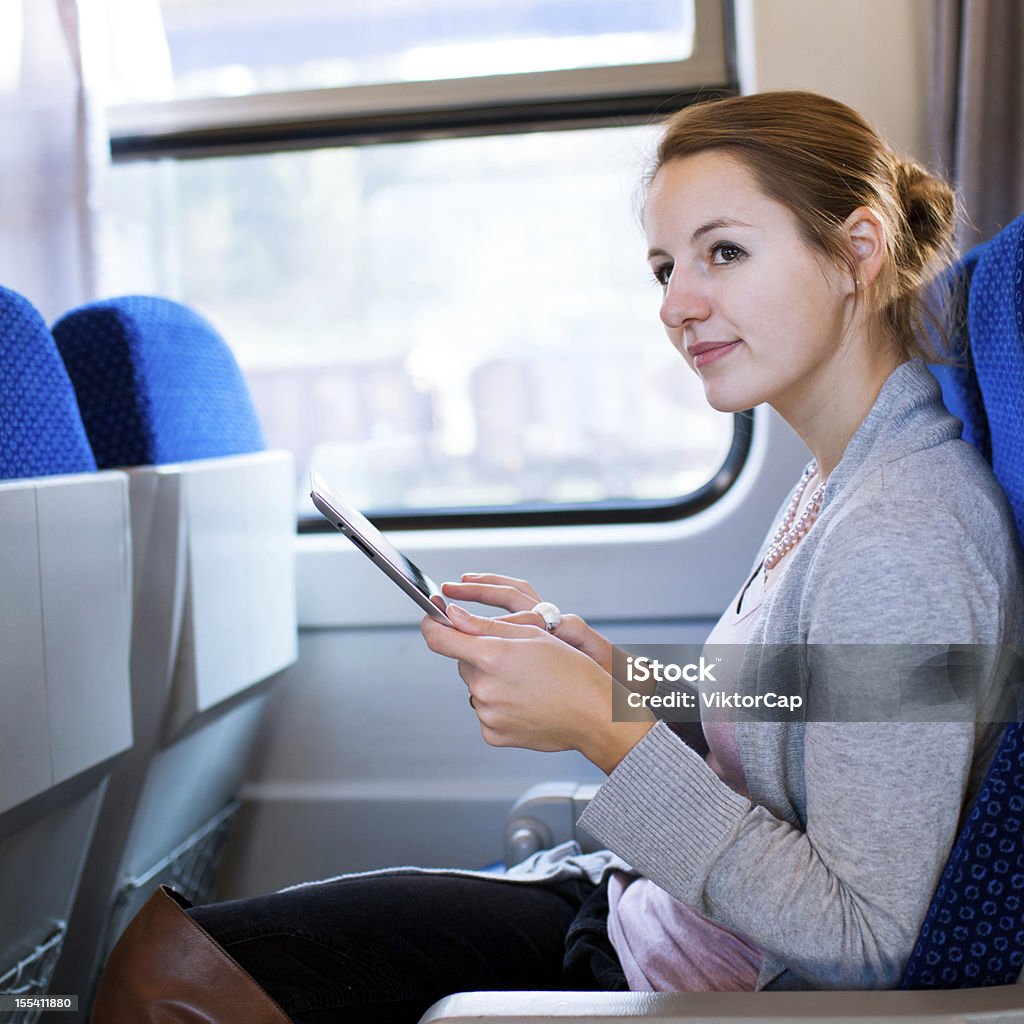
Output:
x=708 y=352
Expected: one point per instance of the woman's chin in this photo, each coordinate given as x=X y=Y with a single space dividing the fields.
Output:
x=724 y=398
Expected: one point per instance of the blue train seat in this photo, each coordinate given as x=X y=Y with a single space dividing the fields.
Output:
x=972 y=933
x=65 y=570
x=213 y=522
x=41 y=430
x=156 y=384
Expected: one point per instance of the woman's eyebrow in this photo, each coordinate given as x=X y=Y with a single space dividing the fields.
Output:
x=711 y=225
x=718 y=222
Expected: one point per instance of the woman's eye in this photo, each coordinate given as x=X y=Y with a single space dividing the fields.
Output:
x=662 y=274
x=726 y=252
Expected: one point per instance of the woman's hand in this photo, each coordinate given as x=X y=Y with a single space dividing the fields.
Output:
x=529 y=689
x=518 y=597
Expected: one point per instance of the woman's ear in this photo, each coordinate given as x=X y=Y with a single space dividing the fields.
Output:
x=866 y=233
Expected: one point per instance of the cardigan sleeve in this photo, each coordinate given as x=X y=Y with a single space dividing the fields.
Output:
x=836 y=891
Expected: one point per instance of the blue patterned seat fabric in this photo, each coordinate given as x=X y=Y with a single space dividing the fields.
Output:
x=41 y=431
x=973 y=934
x=997 y=331
x=958 y=380
x=155 y=383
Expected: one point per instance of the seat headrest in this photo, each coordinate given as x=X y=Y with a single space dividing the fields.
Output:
x=41 y=432
x=996 y=319
x=958 y=379
x=156 y=383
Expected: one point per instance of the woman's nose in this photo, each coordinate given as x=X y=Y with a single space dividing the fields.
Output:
x=685 y=299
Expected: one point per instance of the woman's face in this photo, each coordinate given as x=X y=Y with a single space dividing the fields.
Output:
x=757 y=314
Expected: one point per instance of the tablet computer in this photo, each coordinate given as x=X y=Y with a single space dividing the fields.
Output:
x=399 y=569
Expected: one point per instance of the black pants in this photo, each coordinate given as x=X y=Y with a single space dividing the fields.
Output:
x=381 y=949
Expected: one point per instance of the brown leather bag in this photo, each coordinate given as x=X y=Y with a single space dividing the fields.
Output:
x=165 y=969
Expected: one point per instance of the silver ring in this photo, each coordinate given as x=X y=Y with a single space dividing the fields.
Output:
x=549 y=613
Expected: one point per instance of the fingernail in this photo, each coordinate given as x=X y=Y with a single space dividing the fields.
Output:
x=471 y=575
x=458 y=611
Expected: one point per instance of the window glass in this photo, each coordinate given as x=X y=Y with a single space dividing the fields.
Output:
x=238 y=47
x=450 y=323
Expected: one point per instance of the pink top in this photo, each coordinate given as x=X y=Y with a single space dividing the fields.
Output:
x=665 y=945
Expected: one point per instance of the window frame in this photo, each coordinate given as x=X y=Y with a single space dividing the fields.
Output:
x=455 y=108
x=553 y=514
x=403 y=111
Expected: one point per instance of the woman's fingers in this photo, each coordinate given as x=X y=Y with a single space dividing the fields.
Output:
x=463 y=642
x=575 y=632
x=571 y=630
x=499 y=596
x=472 y=644
x=493 y=595
x=529 y=689
x=499 y=580
x=482 y=625
x=527 y=618
x=491 y=588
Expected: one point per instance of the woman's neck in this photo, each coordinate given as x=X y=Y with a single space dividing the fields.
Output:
x=830 y=408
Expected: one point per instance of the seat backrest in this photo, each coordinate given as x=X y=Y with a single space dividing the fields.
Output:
x=213 y=523
x=65 y=595
x=60 y=520
x=41 y=431
x=973 y=933
x=156 y=383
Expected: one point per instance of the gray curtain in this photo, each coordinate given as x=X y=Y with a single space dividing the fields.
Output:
x=45 y=172
x=977 y=109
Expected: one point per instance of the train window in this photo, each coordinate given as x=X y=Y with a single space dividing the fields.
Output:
x=446 y=312
x=232 y=47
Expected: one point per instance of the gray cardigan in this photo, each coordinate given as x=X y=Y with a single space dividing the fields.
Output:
x=831 y=867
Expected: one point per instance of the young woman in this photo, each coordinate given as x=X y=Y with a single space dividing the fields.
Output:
x=791 y=246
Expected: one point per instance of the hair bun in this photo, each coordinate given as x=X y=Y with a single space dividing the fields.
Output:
x=929 y=206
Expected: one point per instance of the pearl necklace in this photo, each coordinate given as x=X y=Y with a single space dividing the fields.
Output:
x=791 y=530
